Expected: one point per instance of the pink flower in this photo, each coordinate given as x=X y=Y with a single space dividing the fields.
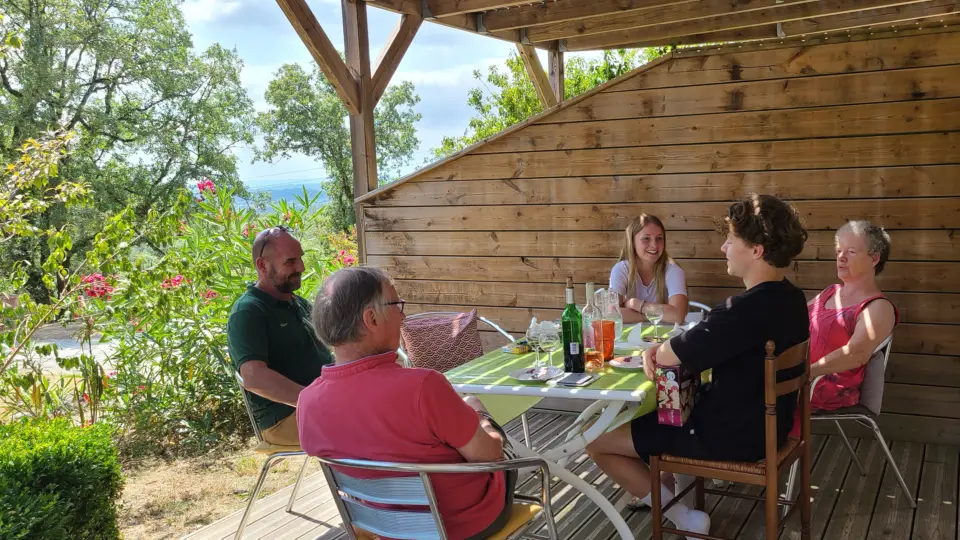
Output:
x=111 y=374
x=211 y=294
x=206 y=185
x=96 y=286
x=248 y=229
x=175 y=281
x=86 y=397
x=349 y=260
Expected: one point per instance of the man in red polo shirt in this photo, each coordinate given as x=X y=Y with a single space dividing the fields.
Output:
x=366 y=406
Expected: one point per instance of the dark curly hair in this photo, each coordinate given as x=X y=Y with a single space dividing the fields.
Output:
x=767 y=221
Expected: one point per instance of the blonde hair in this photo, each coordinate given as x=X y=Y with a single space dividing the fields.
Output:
x=629 y=253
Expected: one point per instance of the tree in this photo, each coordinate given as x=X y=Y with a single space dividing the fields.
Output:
x=150 y=115
x=509 y=97
x=307 y=117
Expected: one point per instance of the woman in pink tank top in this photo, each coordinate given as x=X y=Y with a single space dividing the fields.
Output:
x=847 y=322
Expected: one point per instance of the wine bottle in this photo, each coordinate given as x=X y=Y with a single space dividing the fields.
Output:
x=572 y=326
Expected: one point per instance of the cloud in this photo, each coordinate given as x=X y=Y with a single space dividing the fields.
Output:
x=204 y=11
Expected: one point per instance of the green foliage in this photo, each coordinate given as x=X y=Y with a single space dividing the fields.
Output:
x=150 y=114
x=508 y=97
x=167 y=323
x=58 y=481
x=307 y=117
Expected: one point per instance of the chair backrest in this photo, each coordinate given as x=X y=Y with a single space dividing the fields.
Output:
x=246 y=403
x=354 y=496
x=788 y=359
x=874 y=376
x=450 y=359
x=696 y=316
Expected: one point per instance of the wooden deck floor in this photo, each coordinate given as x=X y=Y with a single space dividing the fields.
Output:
x=847 y=506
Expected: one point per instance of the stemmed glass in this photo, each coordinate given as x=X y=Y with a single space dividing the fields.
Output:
x=654 y=314
x=550 y=341
x=533 y=338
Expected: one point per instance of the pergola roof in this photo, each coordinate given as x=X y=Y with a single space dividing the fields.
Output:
x=577 y=25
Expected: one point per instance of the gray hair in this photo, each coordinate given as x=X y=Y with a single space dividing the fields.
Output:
x=877 y=239
x=343 y=298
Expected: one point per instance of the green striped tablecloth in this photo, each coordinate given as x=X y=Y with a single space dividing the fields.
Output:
x=489 y=377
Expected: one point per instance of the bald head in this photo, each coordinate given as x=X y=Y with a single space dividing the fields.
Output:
x=278 y=258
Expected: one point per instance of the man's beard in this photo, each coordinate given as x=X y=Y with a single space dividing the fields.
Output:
x=287 y=285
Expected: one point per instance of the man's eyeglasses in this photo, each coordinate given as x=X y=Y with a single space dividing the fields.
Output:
x=270 y=232
x=398 y=303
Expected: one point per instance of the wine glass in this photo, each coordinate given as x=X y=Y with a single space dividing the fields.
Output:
x=654 y=314
x=550 y=341
x=533 y=338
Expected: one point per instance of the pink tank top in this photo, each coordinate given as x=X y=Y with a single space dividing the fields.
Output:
x=831 y=329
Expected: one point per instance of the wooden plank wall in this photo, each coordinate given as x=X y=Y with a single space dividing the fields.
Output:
x=861 y=129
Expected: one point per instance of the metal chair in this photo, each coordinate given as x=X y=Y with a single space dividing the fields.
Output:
x=864 y=413
x=353 y=497
x=407 y=363
x=696 y=317
x=274 y=453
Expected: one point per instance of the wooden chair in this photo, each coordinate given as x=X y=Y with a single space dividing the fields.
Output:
x=758 y=473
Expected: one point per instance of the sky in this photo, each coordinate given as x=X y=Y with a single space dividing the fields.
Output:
x=440 y=63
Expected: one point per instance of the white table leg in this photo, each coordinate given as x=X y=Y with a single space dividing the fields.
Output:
x=589 y=491
x=577 y=441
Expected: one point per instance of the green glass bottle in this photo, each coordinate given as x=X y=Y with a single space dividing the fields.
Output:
x=572 y=325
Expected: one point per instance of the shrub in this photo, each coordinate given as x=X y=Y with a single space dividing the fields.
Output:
x=58 y=481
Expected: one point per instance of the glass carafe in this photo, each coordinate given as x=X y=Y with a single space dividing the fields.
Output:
x=610 y=327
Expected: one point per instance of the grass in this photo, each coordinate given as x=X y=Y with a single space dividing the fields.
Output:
x=171 y=499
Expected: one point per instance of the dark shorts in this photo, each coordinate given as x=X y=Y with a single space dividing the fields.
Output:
x=650 y=438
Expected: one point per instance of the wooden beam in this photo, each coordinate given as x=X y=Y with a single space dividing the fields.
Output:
x=890 y=15
x=541 y=83
x=323 y=51
x=656 y=17
x=446 y=8
x=390 y=56
x=567 y=10
x=362 y=138
x=461 y=21
x=666 y=32
x=728 y=36
x=555 y=67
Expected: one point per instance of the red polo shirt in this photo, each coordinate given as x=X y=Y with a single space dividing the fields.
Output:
x=376 y=410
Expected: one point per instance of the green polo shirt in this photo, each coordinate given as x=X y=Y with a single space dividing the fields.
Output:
x=279 y=333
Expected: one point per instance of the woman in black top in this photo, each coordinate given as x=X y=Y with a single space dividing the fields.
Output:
x=764 y=235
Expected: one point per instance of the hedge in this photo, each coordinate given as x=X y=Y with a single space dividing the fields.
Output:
x=58 y=481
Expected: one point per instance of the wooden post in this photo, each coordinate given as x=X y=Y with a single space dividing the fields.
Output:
x=555 y=66
x=362 y=138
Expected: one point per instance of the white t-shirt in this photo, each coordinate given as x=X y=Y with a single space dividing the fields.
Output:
x=620 y=276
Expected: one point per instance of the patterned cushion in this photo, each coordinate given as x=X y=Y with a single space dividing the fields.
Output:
x=441 y=342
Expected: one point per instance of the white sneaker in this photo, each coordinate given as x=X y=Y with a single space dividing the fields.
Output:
x=695 y=521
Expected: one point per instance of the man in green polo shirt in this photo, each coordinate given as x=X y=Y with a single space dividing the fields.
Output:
x=271 y=339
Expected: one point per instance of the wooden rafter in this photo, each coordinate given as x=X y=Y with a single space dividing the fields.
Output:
x=461 y=21
x=541 y=83
x=567 y=10
x=445 y=8
x=728 y=36
x=896 y=14
x=666 y=33
x=655 y=17
x=323 y=52
x=390 y=56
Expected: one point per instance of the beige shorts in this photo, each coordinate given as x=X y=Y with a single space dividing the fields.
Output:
x=283 y=433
